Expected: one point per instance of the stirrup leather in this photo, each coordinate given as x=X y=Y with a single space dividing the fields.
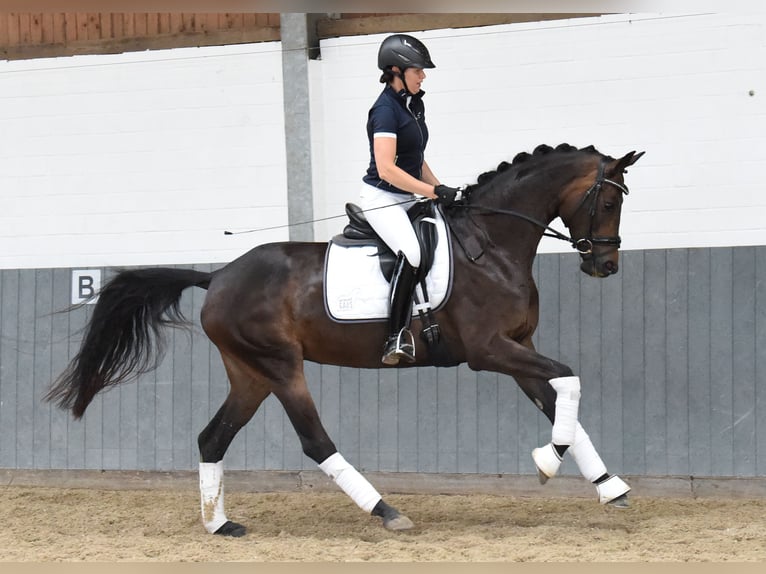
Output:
x=400 y=346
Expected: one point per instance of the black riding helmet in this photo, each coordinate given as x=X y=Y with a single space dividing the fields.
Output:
x=405 y=52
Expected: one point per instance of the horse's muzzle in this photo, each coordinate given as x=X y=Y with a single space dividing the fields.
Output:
x=599 y=267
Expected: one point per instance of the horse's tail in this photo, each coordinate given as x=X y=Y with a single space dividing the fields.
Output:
x=124 y=336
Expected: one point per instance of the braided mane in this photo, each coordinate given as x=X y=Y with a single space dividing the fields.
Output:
x=523 y=157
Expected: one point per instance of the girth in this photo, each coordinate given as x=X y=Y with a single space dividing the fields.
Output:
x=359 y=232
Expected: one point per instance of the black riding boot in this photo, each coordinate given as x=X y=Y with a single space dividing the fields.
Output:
x=400 y=343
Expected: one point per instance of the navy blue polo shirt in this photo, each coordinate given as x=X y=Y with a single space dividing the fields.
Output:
x=404 y=116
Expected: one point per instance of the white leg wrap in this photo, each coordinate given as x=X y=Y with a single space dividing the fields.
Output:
x=592 y=467
x=547 y=461
x=211 y=494
x=584 y=454
x=350 y=481
x=613 y=487
x=567 y=405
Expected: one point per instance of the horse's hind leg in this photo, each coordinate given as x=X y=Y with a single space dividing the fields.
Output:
x=245 y=396
x=317 y=445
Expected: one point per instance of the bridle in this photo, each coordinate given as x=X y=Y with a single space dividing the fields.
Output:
x=583 y=245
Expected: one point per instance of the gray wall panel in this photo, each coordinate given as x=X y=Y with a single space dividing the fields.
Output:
x=407 y=421
x=347 y=439
x=368 y=424
x=699 y=399
x=9 y=357
x=25 y=397
x=427 y=420
x=388 y=420
x=467 y=420
x=670 y=352
x=41 y=372
x=589 y=322
x=164 y=411
x=760 y=360
x=568 y=321
x=447 y=421
x=743 y=361
x=633 y=368
x=612 y=431
x=59 y=358
x=510 y=402
x=488 y=423
x=722 y=382
x=655 y=345
x=676 y=361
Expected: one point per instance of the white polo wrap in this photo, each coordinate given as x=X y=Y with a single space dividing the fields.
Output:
x=350 y=481
x=567 y=405
x=613 y=487
x=547 y=460
x=211 y=495
x=584 y=454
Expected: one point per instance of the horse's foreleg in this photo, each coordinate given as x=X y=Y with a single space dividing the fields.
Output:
x=244 y=398
x=318 y=446
x=548 y=383
x=610 y=488
x=556 y=392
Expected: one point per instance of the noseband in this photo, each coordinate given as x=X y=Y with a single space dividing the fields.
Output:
x=584 y=245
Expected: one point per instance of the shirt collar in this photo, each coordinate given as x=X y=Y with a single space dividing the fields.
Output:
x=403 y=94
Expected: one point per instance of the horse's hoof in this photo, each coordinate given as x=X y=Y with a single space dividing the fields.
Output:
x=399 y=522
x=231 y=529
x=620 y=502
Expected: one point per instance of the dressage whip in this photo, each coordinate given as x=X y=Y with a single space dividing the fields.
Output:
x=286 y=225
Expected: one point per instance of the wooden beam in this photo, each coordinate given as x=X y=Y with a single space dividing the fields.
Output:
x=331 y=28
x=132 y=44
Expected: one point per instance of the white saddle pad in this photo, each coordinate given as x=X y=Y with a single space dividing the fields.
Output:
x=356 y=290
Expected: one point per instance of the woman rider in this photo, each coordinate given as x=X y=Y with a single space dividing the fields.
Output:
x=397 y=132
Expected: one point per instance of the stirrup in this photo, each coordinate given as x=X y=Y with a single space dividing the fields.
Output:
x=398 y=347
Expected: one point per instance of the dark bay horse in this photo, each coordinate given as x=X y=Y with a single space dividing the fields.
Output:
x=265 y=314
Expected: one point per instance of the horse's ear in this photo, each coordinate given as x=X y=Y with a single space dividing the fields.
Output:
x=620 y=165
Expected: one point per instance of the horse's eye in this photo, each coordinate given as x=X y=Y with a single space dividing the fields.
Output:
x=609 y=206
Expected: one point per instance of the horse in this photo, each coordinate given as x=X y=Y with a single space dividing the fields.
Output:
x=264 y=312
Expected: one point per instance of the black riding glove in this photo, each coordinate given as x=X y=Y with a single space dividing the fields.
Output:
x=447 y=196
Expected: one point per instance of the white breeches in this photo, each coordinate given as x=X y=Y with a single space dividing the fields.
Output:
x=388 y=217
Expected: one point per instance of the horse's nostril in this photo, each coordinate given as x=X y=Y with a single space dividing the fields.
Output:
x=611 y=267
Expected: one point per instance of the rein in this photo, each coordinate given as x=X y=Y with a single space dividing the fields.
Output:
x=584 y=245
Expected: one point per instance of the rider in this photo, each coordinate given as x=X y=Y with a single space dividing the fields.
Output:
x=397 y=132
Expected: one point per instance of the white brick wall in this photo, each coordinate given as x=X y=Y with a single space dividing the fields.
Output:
x=674 y=86
x=146 y=158
x=141 y=158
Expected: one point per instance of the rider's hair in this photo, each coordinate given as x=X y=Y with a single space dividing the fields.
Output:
x=387 y=76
